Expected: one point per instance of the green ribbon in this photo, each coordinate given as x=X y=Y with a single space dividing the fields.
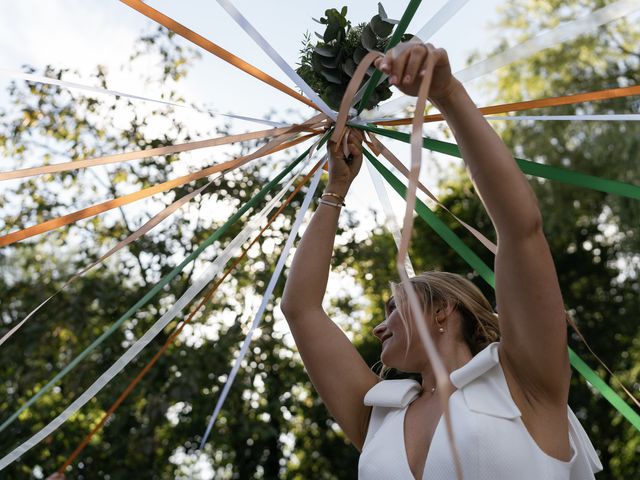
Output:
x=527 y=166
x=487 y=274
x=161 y=284
x=372 y=83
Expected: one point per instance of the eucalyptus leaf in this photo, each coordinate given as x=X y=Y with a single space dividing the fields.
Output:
x=380 y=27
x=382 y=12
x=332 y=76
x=349 y=67
x=316 y=62
x=331 y=33
x=359 y=54
x=369 y=38
x=334 y=96
x=325 y=51
x=319 y=36
x=328 y=62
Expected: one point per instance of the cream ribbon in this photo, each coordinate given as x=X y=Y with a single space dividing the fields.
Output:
x=265 y=301
x=32 y=78
x=562 y=33
x=200 y=283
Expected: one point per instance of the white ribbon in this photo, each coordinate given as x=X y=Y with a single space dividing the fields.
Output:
x=29 y=77
x=267 y=297
x=390 y=216
x=200 y=283
x=629 y=117
x=441 y=17
x=275 y=56
x=556 y=36
x=150 y=224
x=633 y=117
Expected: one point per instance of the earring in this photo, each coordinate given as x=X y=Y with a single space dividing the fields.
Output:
x=441 y=329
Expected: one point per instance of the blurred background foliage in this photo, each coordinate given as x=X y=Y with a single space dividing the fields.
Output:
x=273 y=425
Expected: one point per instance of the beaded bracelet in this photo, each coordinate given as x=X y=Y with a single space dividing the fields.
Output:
x=339 y=197
x=336 y=205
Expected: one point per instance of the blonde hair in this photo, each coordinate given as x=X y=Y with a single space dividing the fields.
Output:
x=449 y=290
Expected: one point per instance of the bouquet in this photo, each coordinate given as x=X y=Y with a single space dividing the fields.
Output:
x=328 y=65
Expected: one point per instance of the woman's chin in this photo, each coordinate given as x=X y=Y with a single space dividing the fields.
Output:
x=387 y=360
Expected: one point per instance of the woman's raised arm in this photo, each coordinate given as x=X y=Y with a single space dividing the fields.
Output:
x=335 y=367
x=531 y=311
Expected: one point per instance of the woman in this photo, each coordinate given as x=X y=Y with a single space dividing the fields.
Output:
x=509 y=406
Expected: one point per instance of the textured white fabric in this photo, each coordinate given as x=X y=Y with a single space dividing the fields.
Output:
x=493 y=442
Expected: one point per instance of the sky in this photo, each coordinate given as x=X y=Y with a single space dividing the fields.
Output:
x=80 y=34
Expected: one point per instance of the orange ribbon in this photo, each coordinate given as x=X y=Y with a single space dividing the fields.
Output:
x=152 y=152
x=110 y=411
x=272 y=147
x=531 y=104
x=211 y=47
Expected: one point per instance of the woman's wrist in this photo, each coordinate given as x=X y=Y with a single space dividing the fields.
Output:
x=337 y=188
x=451 y=97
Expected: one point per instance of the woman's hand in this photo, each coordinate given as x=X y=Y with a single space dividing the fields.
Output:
x=406 y=69
x=344 y=162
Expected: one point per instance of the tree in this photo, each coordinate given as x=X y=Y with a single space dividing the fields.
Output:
x=155 y=433
x=593 y=236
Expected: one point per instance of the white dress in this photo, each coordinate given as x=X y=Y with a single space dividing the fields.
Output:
x=489 y=433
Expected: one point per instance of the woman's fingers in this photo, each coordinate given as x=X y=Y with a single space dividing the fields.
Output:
x=397 y=67
x=414 y=65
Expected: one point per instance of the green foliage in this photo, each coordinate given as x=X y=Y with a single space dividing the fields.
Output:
x=329 y=65
x=595 y=236
x=156 y=431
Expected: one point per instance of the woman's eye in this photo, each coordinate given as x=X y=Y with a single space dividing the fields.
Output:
x=391 y=305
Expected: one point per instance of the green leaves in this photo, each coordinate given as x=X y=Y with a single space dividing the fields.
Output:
x=329 y=65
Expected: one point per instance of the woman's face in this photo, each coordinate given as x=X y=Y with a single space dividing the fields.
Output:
x=395 y=338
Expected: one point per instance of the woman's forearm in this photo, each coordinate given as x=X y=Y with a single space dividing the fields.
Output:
x=504 y=190
x=309 y=271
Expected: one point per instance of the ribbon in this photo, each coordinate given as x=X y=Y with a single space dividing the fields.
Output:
x=151 y=152
x=275 y=56
x=556 y=36
x=572 y=118
x=179 y=329
x=201 y=282
x=271 y=147
x=158 y=287
x=442 y=16
x=391 y=221
x=486 y=273
x=444 y=387
x=31 y=78
x=606 y=94
x=347 y=98
x=379 y=148
x=211 y=47
x=527 y=166
x=560 y=34
x=143 y=230
x=265 y=300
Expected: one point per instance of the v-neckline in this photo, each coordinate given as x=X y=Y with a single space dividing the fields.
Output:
x=404 y=445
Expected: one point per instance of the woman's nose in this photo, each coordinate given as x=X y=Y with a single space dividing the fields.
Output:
x=379 y=330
